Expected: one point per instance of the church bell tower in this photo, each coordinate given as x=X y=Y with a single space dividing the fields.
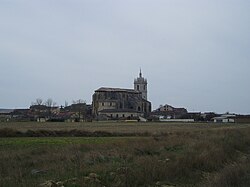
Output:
x=140 y=84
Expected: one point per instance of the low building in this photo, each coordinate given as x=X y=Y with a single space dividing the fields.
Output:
x=169 y=112
x=222 y=119
x=5 y=114
x=42 y=112
x=20 y=115
x=225 y=118
x=208 y=116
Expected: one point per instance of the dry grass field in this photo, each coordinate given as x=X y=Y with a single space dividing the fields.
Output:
x=128 y=154
x=120 y=127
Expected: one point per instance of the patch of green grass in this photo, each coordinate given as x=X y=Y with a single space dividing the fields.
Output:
x=34 y=141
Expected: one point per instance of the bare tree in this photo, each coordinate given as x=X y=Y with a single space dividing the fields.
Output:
x=38 y=101
x=49 y=102
x=79 y=106
x=37 y=108
x=54 y=104
x=78 y=101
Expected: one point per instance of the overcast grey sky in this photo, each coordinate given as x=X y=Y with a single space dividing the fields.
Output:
x=194 y=53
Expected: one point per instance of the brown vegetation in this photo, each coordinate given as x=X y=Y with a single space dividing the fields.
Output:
x=197 y=157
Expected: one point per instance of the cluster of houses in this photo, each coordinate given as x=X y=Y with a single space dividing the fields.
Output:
x=41 y=113
x=82 y=112
x=115 y=104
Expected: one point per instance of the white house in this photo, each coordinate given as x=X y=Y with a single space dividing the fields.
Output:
x=225 y=118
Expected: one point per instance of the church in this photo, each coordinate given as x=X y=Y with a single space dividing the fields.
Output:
x=120 y=103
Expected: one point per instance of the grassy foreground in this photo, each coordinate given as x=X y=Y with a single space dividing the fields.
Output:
x=181 y=155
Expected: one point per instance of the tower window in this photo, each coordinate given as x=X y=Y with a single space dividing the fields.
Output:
x=138 y=87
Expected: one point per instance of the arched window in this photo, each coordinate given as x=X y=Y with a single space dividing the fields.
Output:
x=138 y=87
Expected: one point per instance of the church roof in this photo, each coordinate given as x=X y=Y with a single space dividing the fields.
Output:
x=119 y=111
x=105 y=89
